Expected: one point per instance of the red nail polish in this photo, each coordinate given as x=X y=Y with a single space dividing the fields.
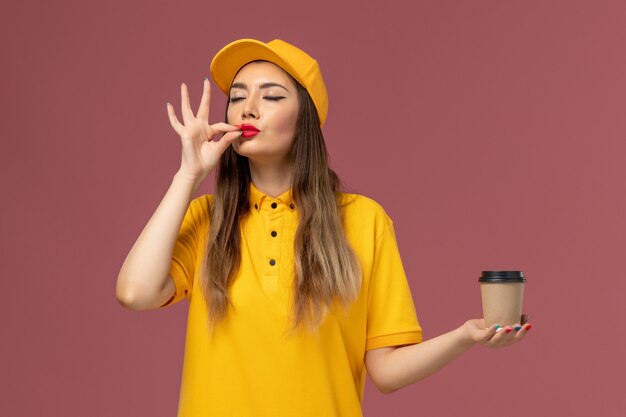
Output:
x=508 y=330
x=528 y=326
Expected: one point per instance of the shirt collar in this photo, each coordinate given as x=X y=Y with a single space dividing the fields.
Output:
x=258 y=199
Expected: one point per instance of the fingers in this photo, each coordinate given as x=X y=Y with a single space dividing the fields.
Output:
x=501 y=336
x=173 y=120
x=228 y=138
x=525 y=318
x=488 y=333
x=523 y=330
x=211 y=130
x=203 y=109
x=185 y=106
x=508 y=335
x=214 y=129
x=224 y=127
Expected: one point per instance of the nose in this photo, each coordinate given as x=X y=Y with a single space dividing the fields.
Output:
x=250 y=108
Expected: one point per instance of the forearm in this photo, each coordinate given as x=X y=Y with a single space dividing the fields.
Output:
x=146 y=268
x=409 y=364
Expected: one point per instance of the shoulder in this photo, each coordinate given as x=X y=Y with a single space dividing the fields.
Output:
x=202 y=202
x=363 y=212
x=205 y=201
x=359 y=203
x=199 y=209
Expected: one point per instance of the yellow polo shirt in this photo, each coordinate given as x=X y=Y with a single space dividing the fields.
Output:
x=247 y=367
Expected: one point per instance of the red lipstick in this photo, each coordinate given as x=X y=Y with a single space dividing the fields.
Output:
x=248 y=130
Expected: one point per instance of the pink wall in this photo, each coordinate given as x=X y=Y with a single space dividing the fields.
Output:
x=492 y=132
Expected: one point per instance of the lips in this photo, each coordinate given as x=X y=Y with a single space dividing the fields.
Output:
x=248 y=127
x=248 y=130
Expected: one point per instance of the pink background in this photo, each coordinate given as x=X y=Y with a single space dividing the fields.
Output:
x=493 y=133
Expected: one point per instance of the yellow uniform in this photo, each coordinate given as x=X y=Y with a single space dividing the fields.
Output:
x=247 y=367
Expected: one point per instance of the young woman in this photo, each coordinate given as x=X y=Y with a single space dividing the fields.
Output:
x=295 y=288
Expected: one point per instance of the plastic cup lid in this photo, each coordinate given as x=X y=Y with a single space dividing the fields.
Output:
x=502 y=276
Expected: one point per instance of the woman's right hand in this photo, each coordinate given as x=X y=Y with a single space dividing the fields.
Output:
x=200 y=153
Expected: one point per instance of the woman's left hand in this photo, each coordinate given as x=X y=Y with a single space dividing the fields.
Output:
x=496 y=337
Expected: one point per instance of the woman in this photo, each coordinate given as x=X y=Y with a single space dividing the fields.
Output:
x=295 y=288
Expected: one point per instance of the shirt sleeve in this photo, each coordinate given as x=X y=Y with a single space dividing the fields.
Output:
x=185 y=255
x=391 y=316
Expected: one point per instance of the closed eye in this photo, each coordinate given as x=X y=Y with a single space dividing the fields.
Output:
x=234 y=99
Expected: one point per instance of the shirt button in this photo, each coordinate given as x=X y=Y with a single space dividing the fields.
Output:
x=291 y=205
x=256 y=206
x=272 y=262
x=274 y=205
x=274 y=233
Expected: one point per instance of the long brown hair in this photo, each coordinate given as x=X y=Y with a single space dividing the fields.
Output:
x=325 y=265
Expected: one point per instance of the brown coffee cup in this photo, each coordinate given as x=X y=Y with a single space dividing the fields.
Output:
x=502 y=296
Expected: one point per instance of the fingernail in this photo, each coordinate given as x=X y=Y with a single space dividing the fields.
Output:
x=518 y=328
x=206 y=78
x=497 y=327
x=508 y=329
x=528 y=326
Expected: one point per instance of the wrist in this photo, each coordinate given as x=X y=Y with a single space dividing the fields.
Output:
x=189 y=180
x=464 y=335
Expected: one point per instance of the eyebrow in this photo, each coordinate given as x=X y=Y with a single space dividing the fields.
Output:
x=264 y=85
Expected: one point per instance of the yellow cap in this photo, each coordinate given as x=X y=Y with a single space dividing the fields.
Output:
x=295 y=61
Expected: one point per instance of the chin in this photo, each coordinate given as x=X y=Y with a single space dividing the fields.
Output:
x=259 y=155
x=242 y=143
x=245 y=149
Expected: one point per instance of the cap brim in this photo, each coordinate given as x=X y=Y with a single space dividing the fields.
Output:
x=229 y=60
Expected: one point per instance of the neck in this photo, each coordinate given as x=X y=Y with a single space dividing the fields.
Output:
x=271 y=178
